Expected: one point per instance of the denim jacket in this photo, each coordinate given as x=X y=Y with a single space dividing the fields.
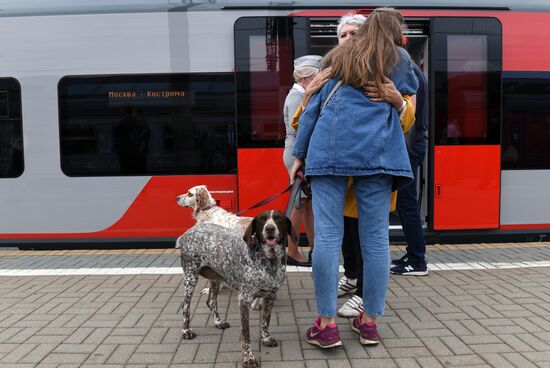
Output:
x=353 y=136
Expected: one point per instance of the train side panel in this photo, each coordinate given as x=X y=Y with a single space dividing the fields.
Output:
x=38 y=52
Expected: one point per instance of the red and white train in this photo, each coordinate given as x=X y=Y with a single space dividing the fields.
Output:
x=108 y=110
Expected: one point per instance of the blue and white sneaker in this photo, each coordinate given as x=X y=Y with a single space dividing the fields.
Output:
x=407 y=269
x=400 y=261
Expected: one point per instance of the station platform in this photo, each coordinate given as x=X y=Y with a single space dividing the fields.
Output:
x=482 y=305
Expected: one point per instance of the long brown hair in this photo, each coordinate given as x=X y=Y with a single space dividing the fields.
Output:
x=371 y=53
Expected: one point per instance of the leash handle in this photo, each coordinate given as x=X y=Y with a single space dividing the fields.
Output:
x=298 y=186
x=294 y=193
x=305 y=187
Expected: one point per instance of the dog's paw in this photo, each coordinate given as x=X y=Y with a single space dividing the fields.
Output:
x=205 y=291
x=269 y=341
x=222 y=325
x=188 y=334
x=251 y=363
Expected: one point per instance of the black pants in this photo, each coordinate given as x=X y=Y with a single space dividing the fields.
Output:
x=351 y=252
x=409 y=212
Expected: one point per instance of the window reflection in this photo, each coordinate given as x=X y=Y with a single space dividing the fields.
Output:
x=526 y=121
x=264 y=55
x=147 y=125
x=467 y=87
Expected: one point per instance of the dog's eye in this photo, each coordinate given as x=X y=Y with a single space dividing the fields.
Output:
x=190 y=194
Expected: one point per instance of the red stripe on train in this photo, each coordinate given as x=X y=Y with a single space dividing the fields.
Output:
x=154 y=213
x=525 y=226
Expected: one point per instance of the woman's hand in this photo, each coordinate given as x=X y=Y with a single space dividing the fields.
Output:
x=315 y=85
x=391 y=94
x=297 y=166
x=318 y=81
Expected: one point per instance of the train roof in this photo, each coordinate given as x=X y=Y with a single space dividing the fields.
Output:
x=13 y=8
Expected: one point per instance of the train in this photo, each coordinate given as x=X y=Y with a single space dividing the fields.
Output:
x=109 y=110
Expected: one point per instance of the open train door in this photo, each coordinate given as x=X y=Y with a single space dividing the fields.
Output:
x=466 y=66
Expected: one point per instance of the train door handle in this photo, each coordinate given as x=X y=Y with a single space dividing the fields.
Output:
x=438 y=190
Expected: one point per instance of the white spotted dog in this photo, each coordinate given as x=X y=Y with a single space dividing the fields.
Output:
x=254 y=265
x=205 y=209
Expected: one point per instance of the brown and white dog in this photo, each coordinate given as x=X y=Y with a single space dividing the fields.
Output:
x=253 y=265
x=205 y=209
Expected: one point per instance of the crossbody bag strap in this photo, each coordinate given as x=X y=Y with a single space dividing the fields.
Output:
x=336 y=86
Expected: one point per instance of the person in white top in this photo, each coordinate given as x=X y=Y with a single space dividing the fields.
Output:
x=305 y=69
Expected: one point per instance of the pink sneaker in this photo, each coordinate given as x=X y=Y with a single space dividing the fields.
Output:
x=326 y=338
x=368 y=334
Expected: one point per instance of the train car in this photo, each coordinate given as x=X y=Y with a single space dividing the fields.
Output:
x=108 y=110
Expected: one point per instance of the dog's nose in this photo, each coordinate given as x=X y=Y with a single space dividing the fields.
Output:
x=270 y=228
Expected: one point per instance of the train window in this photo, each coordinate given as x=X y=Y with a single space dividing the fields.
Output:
x=467 y=87
x=526 y=120
x=127 y=125
x=263 y=63
x=467 y=84
x=11 y=129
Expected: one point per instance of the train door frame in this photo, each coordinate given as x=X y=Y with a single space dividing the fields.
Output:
x=421 y=56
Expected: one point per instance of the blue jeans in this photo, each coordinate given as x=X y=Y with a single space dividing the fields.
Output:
x=373 y=199
x=409 y=211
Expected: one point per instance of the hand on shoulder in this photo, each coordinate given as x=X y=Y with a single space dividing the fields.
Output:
x=319 y=81
x=390 y=95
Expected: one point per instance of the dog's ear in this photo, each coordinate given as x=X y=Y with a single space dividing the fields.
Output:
x=204 y=199
x=249 y=234
x=201 y=197
x=293 y=234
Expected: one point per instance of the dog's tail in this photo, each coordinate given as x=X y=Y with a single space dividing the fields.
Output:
x=178 y=244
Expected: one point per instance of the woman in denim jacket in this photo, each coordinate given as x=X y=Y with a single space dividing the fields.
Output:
x=353 y=136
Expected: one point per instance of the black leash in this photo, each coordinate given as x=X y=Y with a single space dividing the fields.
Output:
x=265 y=201
x=294 y=188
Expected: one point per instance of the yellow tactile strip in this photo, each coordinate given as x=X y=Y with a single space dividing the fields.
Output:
x=431 y=248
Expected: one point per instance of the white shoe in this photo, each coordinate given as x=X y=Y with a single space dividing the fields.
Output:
x=351 y=308
x=346 y=286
